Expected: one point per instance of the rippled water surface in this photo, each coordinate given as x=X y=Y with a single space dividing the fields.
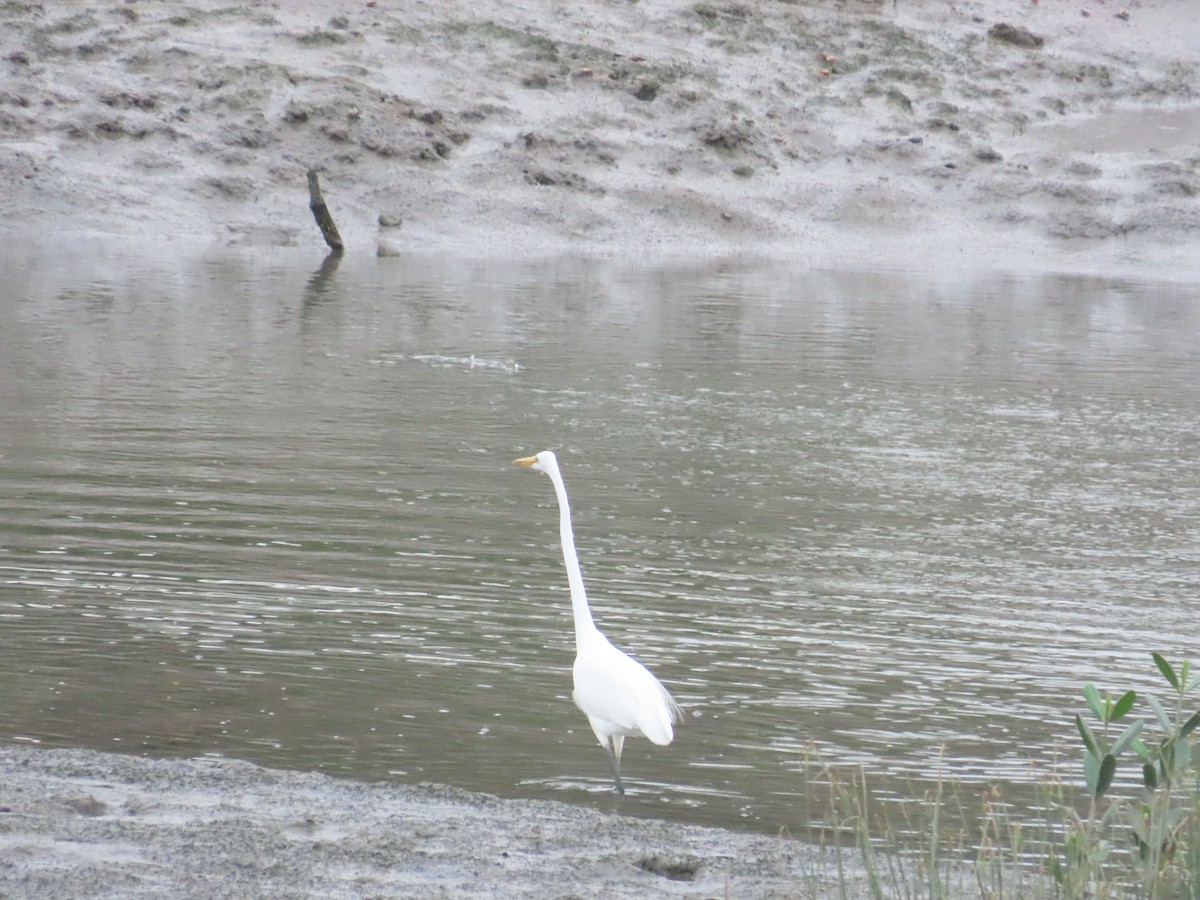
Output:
x=257 y=509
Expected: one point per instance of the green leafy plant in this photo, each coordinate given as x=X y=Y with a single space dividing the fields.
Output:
x=1085 y=849
x=1165 y=822
x=1099 y=759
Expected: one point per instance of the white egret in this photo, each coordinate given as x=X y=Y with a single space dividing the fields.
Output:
x=619 y=696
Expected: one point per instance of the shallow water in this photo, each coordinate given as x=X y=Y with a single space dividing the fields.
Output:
x=260 y=509
x=1128 y=131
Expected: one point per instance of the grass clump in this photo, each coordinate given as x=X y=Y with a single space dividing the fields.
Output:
x=1137 y=837
x=319 y=37
x=538 y=46
x=83 y=21
x=404 y=34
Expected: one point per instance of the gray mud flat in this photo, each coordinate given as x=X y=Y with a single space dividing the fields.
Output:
x=1008 y=134
x=77 y=823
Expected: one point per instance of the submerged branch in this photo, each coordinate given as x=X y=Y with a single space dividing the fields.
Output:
x=321 y=213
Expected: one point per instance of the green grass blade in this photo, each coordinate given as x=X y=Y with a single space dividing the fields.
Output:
x=1190 y=725
x=1122 y=706
x=1092 y=696
x=1091 y=773
x=1128 y=736
x=1163 y=719
x=1089 y=740
x=1166 y=761
x=1137 y=821
x=1167 y=670
x=1150 y=776
x=1108 y=768
x=1183 y=755
x=1054 y=864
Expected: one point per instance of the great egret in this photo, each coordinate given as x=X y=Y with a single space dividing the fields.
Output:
x=619 y=696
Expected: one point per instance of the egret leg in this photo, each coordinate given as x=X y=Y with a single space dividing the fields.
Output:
x=614 y=757
x=615 y=762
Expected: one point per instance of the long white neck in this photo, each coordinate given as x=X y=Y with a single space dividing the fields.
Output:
x=584 y=625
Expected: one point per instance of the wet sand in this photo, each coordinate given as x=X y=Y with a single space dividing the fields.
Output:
x=76 y=823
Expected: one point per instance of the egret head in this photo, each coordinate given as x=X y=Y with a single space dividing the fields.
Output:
x=545 y=462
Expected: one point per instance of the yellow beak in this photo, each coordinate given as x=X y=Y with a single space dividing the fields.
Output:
x=525 y=461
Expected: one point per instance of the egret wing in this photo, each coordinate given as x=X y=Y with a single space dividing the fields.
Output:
x=612 y=686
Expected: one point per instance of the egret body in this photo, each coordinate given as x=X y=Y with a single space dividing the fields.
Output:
x=619 y=696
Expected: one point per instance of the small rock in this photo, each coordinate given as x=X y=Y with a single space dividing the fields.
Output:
x=389 y=220
x=899 y=98
x=646 y=91
x=296 y=113
x=916 y=139
x=743 y=170
x=1015 y=35
x=1082 y=169
x=87 y=806
x=1178 y=187
x=987 y=154
x=674 y=869
x=335 y=133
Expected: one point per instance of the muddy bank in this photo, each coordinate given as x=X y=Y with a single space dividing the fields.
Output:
x=1012 y=134
x=77 y=823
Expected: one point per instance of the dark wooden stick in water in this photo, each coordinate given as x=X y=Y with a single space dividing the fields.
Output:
x=321 y=213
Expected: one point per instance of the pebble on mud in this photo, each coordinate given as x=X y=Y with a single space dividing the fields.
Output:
x=1015 y=35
